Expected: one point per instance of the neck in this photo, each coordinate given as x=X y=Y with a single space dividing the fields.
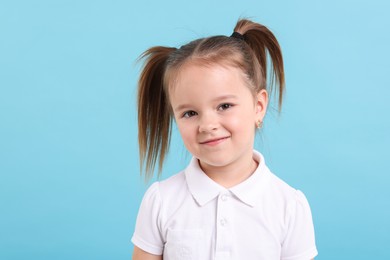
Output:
x=232 y=174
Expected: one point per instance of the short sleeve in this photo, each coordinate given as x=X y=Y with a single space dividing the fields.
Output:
x=299 y=242
x=147 y=234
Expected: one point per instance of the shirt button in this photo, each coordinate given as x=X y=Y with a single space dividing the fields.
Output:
x=224 y=197
x=223 y=222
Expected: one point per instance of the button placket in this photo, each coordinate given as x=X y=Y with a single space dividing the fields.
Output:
x=224 y=197
x=223 y=222
x=223 y=229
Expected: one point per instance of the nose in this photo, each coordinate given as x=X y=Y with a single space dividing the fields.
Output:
x=208 y=123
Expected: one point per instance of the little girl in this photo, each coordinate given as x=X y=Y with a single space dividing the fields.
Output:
x=226 y=204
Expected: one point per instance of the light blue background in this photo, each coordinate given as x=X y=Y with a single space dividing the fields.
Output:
x=70 y=185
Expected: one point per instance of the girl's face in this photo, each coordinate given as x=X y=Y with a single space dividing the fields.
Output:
x=216 y=114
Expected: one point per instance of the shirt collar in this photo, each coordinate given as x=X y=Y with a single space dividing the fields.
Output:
x=203 y=189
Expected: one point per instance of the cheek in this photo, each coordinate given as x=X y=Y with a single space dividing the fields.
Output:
x=235 y=123
x=242 y=122
x=186 y=132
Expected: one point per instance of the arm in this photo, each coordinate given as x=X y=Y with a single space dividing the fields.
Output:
x=300 y=230
x=140 y=254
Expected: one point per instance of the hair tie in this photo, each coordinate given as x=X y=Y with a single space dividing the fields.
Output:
x=238 y=35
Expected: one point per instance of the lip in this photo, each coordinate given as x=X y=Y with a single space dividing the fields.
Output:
x=215 y=141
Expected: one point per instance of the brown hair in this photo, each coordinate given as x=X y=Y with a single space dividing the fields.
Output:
x=163 y=64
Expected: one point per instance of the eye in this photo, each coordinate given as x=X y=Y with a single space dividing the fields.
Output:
x=225 y=106
x=189 y=114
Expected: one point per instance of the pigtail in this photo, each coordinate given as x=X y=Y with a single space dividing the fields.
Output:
x=154 y=118
x=262 y=41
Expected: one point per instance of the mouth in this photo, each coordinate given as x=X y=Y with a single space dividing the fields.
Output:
x=215 y=141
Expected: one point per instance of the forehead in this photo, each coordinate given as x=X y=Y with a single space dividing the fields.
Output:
x=196 y=83
x=197 y=72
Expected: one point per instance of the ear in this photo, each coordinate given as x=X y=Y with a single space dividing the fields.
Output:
x=261 y=104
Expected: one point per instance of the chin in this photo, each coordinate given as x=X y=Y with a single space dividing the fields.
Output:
x=216 y=162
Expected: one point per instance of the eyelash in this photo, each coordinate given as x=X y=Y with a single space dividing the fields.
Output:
x=221 y=107
x=225 y=106
x=187 y=114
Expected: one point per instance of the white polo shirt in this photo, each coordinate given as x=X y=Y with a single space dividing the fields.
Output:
x=191 y=217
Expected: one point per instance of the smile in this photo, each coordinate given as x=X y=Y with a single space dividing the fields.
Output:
x=215 y=141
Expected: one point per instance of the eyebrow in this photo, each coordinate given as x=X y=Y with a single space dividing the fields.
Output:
x=219 y=98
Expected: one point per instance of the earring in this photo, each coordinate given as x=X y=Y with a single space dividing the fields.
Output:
x=259 y=124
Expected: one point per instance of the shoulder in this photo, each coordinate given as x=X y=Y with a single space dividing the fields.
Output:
x=167 y=185
x=298 y=230
x=173 y=184
x=167 y=196
x=292 y=201
x=174 y=180
x=164 y=190
x=273 y=186
x=280 y=188
x=161 y=195
x=285 y=195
